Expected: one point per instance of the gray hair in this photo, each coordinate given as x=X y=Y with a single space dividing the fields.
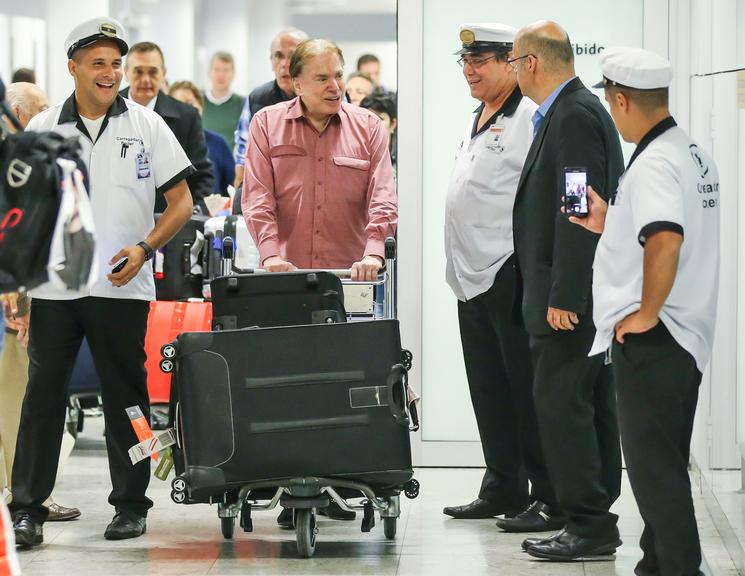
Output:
x=295 y=33
x=18 y=95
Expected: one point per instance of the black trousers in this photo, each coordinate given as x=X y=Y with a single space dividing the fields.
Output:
x=115 y=329
x=575 y=402
x=500 y=376
x=658 y=384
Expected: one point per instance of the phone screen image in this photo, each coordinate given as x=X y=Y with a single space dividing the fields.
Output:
x=575 y=192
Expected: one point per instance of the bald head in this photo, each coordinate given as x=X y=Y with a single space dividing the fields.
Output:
x=550 y=43
x=26 y=100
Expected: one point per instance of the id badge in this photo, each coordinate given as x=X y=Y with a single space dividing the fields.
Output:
x=143 y=165
x=494 y=137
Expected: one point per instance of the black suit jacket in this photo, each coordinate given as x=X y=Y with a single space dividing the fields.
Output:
x=554 y=256
x=186 y=125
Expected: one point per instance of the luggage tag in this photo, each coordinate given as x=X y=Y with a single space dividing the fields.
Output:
x=142 y=161
x=142 y=429
x=165 y=466
x=150 y=447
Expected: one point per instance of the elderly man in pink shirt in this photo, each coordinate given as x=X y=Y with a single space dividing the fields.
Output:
x=318 y=180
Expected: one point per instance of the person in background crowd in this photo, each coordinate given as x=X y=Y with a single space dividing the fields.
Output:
x=319 y=190
x=359 y=86
x=25 y=100
x=24 y=75
x=384 y=107
x=369 y=64
x=132 y=157
x=278 y=90
x=145 y=71
x=575 y=399
x=219 y=152
x=222 y=108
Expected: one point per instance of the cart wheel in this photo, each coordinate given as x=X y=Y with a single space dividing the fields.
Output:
x=305 y=531
x=389 y=527
x=166 y=365
x=227 y=524
x=168 y=350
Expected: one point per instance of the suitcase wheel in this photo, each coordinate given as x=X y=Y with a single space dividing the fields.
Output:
x=168 y=350
x=389 y=527
x=178 y=484
x=227 y=525
x=411 y=489
x=166 y=365
x=407 y=359
x=178 y=497
x=305 y=531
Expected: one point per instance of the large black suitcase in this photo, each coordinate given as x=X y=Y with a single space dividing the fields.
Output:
x=269 y=404
x=281 y=299
x=174 y=263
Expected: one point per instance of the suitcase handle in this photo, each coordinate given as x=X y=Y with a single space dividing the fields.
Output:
x=397 y=401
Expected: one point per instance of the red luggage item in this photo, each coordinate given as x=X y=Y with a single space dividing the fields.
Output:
x=167 y=320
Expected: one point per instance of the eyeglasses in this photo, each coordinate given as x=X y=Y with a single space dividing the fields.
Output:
x=474 y=62
x=512 y=61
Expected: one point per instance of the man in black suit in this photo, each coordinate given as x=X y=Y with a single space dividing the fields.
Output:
x=574 y=395
x=145 y=71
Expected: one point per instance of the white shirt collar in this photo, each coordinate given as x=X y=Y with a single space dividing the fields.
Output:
x=214 y=99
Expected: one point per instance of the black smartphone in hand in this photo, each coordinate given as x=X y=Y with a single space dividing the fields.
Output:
x=119 y=267
x=575 y=192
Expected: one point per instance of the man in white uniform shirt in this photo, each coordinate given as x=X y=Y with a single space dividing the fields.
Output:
x=481 y=273
x=131 y=156
x=656 y=276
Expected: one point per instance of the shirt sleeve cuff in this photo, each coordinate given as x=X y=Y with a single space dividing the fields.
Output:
x=185 y=173
x=375 y=248
x=267 y=249
x=658 y=226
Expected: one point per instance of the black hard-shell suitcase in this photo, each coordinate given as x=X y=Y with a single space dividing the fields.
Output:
x=283 y=299
x=174 y=263
x=269 y=404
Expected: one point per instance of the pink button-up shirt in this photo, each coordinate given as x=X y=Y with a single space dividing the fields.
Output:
x=318 y=200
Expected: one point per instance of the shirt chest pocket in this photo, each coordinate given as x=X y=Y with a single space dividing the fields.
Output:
x=289 y=168
x=130 y=168
x=351 y=175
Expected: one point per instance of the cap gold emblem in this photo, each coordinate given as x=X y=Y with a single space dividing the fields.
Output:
x=467 y=36
x=107 y=30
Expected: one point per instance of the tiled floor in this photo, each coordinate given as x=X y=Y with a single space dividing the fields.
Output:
x=186 y=540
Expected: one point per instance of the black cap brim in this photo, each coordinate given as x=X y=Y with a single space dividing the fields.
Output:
x=478 y=47
x=88 y=40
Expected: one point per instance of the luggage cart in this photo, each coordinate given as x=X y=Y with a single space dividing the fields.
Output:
x=305 y=494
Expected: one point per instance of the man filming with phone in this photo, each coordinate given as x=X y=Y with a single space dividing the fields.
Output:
x=574 y=395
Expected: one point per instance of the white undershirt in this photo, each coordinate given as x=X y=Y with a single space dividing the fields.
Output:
x=93 y=126
x=151 y=105
x=215 y=100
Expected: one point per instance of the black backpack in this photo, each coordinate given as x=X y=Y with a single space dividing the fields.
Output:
x=29 y=203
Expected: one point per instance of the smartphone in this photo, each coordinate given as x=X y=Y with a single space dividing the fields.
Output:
x=575 y=192
x=119 y=267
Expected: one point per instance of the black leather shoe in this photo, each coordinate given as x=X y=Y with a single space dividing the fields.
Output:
x=477 y=509
x=286 y=518
x=528 y=542
x=125 y=525
x=28 y=532
x=568 y=547
x=536 y=518
x=335 y=512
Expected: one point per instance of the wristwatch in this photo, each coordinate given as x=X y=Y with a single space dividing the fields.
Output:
x=147 y=249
